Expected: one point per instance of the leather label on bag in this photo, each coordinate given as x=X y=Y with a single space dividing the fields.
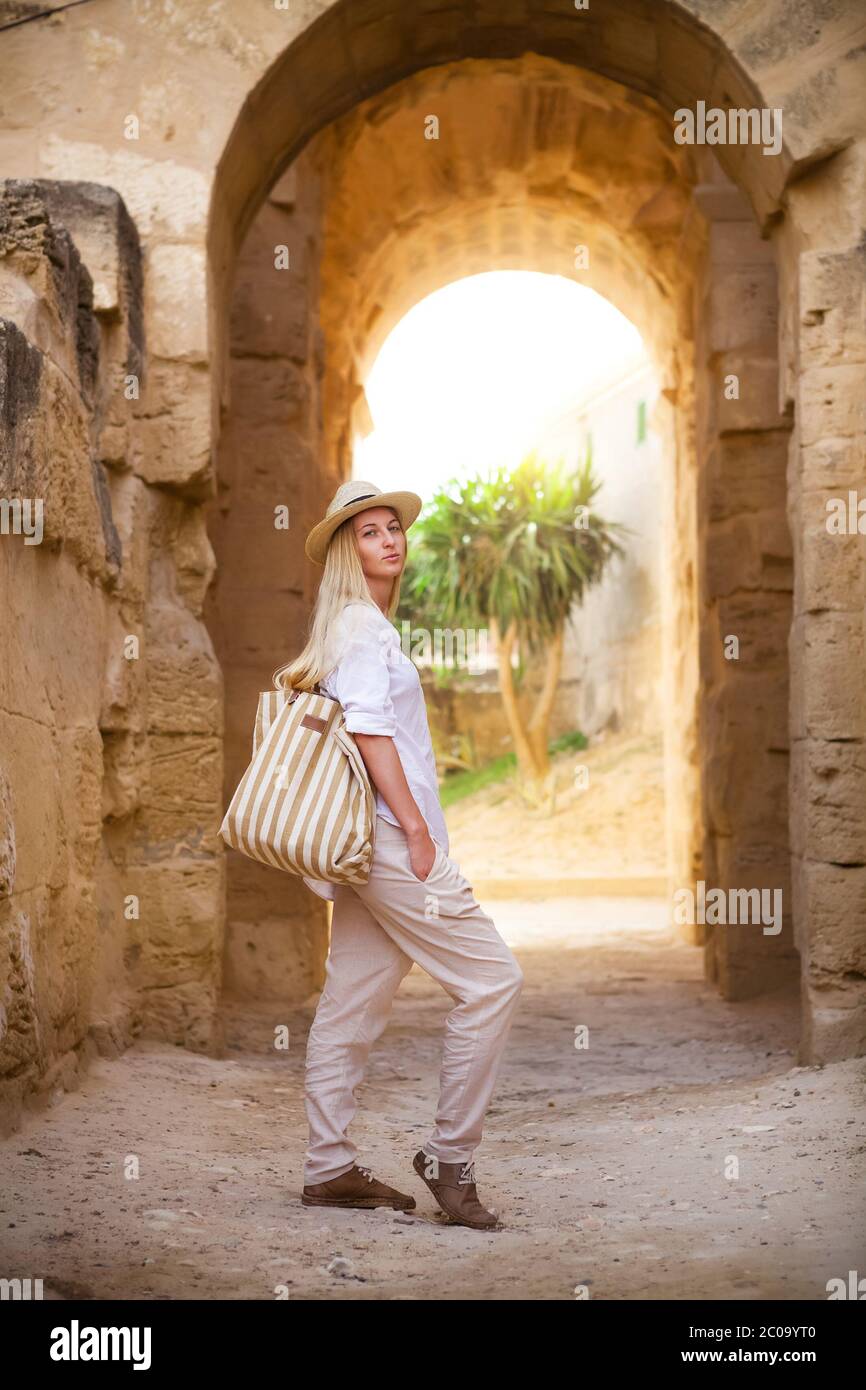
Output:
x=310 y=721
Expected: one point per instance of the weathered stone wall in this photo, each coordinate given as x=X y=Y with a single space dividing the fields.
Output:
x=191 y=114
x=523 y=174
x=745 y=583
x=614 y=642
x=106 y=928
x=426 y=225
x=823 y=347
x=270 y=492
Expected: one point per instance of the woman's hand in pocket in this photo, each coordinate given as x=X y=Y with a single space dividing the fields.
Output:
x=422 y=853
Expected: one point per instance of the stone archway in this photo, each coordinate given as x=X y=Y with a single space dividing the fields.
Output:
x=119 y=260
x=357 y=47
x=355 y=50
x=570 y=160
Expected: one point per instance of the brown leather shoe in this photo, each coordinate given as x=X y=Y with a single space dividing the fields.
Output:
x=356 y=1188
x=453 y=1186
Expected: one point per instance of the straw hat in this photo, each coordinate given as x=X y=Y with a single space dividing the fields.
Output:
x=354 y=497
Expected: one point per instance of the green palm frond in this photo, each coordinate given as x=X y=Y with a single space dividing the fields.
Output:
x=509 y=546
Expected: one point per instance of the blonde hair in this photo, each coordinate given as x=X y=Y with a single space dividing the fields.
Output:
x=343 y=582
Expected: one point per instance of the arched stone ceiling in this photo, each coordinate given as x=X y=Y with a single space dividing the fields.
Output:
x=534 y=159
x=673 y=51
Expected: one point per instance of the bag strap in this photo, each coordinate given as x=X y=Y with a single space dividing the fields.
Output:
x=316 y=690
x=324 y=694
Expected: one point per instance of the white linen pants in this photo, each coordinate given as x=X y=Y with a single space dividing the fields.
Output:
x=377 y=930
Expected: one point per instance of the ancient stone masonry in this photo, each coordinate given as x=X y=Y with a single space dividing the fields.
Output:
x=674 y=244
x=109 y=921
x=745 y=580
x=269 y=456
x=212 y=220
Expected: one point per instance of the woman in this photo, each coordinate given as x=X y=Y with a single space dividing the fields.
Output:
x=416 y=905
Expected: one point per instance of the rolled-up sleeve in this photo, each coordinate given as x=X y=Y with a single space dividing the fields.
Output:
x=362 y=679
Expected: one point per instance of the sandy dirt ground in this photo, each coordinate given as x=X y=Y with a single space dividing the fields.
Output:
x=607 y=821
x=682 y=1154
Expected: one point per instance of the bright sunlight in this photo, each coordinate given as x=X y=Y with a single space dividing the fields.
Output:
x=472 y=374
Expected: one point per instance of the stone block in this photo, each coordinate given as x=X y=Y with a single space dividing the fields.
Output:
x=175 y=302
x=270 y=312
x=8 y=850
x=762 y=177
x=735 y=244
x=777 y=572
x=685 y=60
x=834 y=949
x=275 y=553
x=107 y=241
x=831 y=402
x=122 y=694
x=832 y=309
x=46 y=459
x=746 y=473
x=756 y=406
x=173 y=430
x=830 y=463
x=828 y=787
x=284 y=190
x=194 y=558
x=132 y=505
x=258 y=626
x=276 y=957
x=44 y=285
x=761 y=622
x=179 y=924
x=259 y=458
x=627 y=41
x=828 y=696
x=741 y=309
x=182 y=797
x=745 y=766
x=835 y=907
x=831 y=573
x=273 y=390
x=78 y=787
x=184 y=682
x=123 y=773
x=732 y=557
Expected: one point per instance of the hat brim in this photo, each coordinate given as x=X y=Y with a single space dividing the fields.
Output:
x=407 y=505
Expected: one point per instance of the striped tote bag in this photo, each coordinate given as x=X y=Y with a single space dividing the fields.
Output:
x=305 y=803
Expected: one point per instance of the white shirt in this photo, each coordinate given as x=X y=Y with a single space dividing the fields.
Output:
x=380 y=691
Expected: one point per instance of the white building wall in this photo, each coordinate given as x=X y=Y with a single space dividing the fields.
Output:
x=611 y=673
x=613 y=648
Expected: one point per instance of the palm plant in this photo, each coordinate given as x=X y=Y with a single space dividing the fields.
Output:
x=512 y=552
